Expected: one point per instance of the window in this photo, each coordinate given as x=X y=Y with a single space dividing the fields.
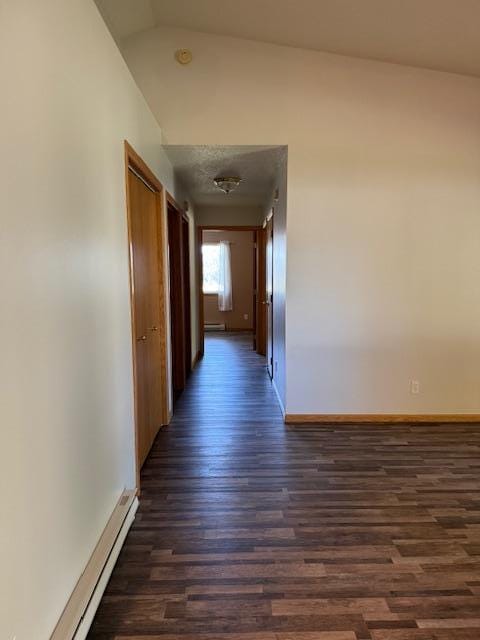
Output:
x=211 y=267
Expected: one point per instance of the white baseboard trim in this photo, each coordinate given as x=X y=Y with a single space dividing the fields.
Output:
x=79 y=612
x=282 y=408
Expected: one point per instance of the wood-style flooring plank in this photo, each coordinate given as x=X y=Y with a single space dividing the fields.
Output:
x=251 y=530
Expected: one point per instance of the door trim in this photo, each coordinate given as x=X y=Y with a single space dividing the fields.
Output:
x=134 y=162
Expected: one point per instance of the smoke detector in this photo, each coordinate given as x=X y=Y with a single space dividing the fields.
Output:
x=183 y=56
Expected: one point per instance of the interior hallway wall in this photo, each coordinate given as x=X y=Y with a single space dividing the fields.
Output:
x=235 y=216
x=383 y=231
x=241 y=250
x=68 y=102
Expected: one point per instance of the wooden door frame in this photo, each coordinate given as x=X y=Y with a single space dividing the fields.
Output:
x=134 y=162
x=199 y=235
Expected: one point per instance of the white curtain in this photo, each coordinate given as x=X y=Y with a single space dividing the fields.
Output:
x=225 y=278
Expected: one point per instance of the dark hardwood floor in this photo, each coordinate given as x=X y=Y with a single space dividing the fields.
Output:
x=250 y=530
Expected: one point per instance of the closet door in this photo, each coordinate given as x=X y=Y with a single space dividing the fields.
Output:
x=177 y=300
x=146 y=307
x=153 y=341
x=187 y=322
x=261 y=292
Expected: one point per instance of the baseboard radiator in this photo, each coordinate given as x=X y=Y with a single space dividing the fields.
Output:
x=79 y=612
x=215 y=327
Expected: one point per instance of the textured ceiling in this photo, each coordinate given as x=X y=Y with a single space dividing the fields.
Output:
x=196 y=167
x=435 y=34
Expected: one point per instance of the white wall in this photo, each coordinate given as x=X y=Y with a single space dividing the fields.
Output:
x=68 y=101
x=383 y=210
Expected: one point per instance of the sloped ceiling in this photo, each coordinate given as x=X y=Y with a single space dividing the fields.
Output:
x=435 y=34
x=126 y=17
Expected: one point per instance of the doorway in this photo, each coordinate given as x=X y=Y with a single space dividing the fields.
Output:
x=239 y=313
x=147 y=291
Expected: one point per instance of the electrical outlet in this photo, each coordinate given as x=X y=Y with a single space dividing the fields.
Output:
x=245 y=316
x=414 y=387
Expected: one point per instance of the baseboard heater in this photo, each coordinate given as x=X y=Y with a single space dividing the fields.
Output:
x=215 y=327
x=79 y=612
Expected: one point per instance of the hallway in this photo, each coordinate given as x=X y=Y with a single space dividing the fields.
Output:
x=250 y=530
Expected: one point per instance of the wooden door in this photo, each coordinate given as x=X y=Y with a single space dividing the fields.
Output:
x=153 y=342
x=177 y=313
x=269 y=292
x=139 y=242
x=146 y=310
x=201 y=320
x=255 y=292
x=261 y=292
x=187 y=321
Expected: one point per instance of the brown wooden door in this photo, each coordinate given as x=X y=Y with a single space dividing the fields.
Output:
x=146 y=308
x=187 y=321
x=201 y=328
x=153 y=342
x=255 y=292
x=177 y=313
x=261 y=292
x=269 y=292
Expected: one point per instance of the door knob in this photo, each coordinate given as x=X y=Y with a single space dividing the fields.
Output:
x=153 y=328
x=141 y=339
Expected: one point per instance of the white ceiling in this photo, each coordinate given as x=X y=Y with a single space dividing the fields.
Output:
x=436 y=34
x=196 y=167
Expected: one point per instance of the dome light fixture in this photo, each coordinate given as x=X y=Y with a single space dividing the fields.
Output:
x=227 y=184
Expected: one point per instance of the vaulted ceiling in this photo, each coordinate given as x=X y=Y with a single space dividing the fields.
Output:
x=435 y=34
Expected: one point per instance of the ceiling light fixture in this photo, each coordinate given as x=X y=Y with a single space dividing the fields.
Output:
x=227 y=184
